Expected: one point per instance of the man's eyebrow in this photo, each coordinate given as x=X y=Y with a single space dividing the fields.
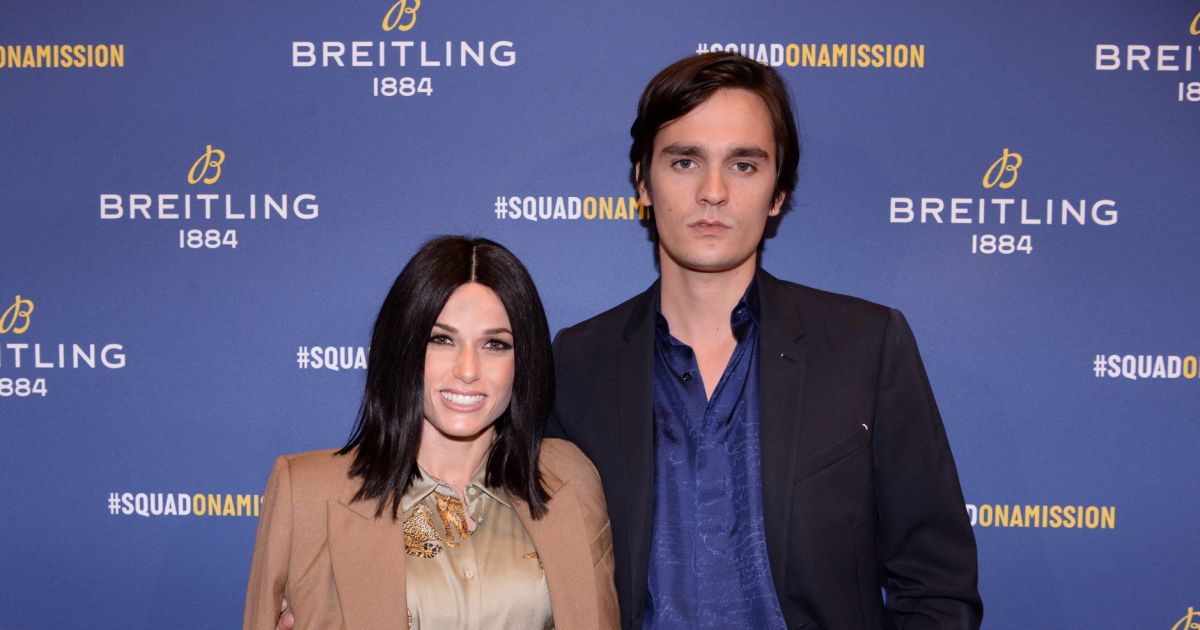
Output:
x=684 y=150
x=749 y=152
x=688 y=150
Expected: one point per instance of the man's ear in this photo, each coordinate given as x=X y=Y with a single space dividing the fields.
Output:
x=777 y=207
x=643 y=190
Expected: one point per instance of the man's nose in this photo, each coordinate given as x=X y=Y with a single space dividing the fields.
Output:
x=713 y=191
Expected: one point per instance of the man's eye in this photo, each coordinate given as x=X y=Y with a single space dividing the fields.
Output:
x=744 y=167
x=685 y=163
x=440 y=340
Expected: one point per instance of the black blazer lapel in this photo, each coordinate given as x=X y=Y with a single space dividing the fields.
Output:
x=635 y=414
x=781 y=373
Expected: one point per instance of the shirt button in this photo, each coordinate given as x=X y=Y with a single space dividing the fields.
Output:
x=687 y=377
x=469 y=573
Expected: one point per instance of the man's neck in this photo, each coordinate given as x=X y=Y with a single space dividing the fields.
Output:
x=697 y=304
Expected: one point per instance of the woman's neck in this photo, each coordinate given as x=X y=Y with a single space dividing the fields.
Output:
x=453 y=460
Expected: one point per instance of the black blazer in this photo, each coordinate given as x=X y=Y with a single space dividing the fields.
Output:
x=860 y=491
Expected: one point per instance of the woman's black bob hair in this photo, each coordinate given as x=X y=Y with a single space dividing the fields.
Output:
x=388 y=431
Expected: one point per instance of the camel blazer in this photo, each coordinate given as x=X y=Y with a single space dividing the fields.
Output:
x=340 y=566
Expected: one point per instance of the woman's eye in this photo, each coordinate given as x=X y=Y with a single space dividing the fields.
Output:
x=441 y=340
x=497 y=344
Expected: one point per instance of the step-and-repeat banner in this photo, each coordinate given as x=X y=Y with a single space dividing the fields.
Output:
x=202 y=205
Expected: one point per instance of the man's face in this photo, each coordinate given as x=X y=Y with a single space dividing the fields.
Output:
x=713 y=173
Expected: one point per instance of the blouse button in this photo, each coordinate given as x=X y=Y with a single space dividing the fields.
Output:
x=471 y=491
x=469 y=573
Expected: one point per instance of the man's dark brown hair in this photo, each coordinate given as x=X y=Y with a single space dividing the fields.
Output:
x=684 y=85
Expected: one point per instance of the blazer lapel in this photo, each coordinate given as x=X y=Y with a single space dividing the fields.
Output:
x=635 y=413
x=781 y=366
x=563 y=549
x=367 y=555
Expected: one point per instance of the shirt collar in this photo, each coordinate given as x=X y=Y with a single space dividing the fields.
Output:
x=426 y=484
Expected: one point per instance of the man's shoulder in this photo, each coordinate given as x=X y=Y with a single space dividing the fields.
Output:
x=781 y=300
x=818 y=306
x=604 y=326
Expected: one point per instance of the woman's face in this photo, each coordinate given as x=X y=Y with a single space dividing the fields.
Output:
x=469 y=365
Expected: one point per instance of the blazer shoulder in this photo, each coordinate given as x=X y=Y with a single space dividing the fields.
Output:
x=564 y=460
x=604 y=325
x=826 y=307
x=320 y=473
x=807 y=295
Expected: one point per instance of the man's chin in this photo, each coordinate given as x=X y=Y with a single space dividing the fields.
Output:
x=711 y=264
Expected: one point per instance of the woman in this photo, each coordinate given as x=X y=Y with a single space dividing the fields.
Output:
x=446 y=509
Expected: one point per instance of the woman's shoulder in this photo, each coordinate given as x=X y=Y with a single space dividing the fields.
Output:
x=564 y=465
x=565 y=460
x=322 y=472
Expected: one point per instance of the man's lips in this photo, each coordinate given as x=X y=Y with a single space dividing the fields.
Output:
x=708 y=224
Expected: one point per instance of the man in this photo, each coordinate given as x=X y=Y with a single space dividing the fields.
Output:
x=772 y=454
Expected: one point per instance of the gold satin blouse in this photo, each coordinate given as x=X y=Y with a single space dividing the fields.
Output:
x=489 y=577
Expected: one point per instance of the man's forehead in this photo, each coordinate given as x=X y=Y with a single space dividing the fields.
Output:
x=727 y=117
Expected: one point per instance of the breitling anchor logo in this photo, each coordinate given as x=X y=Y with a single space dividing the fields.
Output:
x=1010 y=163
x=1190 y=621
x=395 y=19
x=211 y=158
x=16 y=317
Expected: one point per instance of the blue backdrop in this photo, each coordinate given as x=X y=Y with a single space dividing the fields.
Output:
x=203 y=204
